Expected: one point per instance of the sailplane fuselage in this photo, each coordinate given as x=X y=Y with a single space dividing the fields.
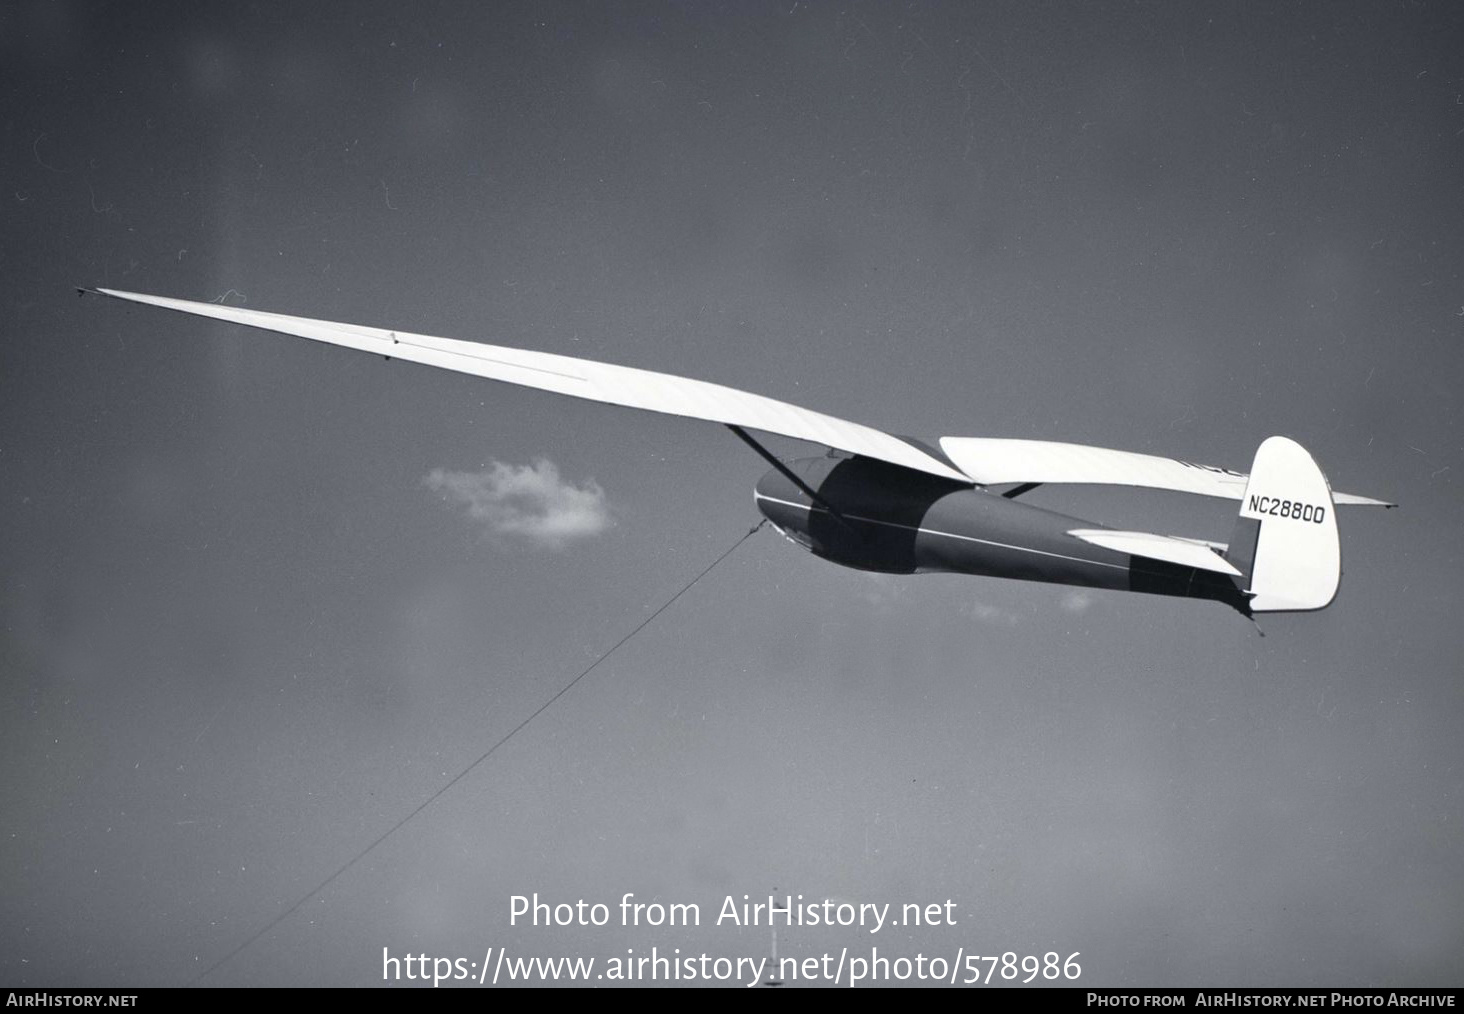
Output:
x=899 y=521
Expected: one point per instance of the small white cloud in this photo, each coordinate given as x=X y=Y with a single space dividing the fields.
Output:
x=881 y=590
x=1077 y=601
x=529 y=502
x=995 y=615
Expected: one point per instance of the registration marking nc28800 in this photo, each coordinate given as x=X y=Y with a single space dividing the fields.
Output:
x=1279 y=508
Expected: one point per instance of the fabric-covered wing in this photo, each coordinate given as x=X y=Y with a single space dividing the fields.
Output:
x=997 y=461
x=583 y=378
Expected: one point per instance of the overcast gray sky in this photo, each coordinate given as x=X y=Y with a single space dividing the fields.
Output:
x=261 y=598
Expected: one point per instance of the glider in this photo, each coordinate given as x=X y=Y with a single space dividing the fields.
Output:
x=894 y=504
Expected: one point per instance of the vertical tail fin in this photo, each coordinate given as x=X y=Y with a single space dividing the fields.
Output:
x=1285 y=543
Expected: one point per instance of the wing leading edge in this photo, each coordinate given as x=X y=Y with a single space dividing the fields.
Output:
x=582 y=378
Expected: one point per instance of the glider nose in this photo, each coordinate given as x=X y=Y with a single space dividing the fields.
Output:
x=790 y=508
x=785 y=505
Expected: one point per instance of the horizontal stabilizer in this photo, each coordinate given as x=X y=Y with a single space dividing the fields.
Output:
x=994 y=461
x=1183 y=552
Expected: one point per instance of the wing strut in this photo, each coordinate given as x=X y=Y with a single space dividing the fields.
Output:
x=788 y=474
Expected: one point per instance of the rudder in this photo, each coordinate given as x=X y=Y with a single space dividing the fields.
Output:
x=1285 y=543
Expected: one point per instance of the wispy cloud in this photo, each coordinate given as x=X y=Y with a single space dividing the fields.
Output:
x=996 y=615
x=528 y=502
x=1077 y=601
x=881 y=591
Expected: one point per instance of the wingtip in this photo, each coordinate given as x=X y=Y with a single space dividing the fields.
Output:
x=1353 y=500
x=97 y=290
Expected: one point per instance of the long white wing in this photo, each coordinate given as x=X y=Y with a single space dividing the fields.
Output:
x=582 y=378
x=996 y=462
x=988 y=461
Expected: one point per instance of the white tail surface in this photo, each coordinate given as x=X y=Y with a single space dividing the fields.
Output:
x=1286 y=538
